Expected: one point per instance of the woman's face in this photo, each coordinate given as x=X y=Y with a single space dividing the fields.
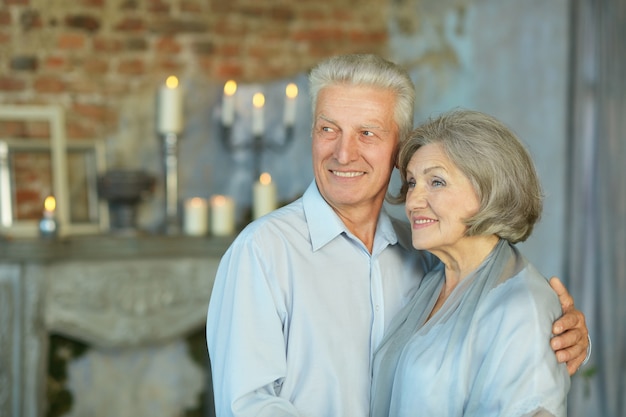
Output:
x=439 y=198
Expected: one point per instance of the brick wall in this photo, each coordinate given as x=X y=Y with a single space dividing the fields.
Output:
x=87 y=53
x=90 y=55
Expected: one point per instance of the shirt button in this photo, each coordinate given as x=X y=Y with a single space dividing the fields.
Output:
x=377 y=307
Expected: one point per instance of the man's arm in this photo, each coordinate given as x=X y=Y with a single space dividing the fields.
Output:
x=245 y=339
x=572 y=337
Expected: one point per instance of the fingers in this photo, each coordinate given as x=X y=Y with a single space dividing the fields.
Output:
x=567 y=301
x=571 y=347
x=570 y=320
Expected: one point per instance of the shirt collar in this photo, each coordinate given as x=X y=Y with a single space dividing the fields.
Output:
x=324 y=224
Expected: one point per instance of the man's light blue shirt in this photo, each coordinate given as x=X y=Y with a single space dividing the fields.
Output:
x=299 y=306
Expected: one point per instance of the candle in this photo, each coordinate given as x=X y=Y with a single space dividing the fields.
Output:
x=222 y=215
x=48 y=227
x=170 y=109
x=228 y=103
x=291 y=92
x=196 y=217
x=264 y=196
x=257 y=114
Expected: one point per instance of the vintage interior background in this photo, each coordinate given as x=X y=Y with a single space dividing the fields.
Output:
x=112 y=323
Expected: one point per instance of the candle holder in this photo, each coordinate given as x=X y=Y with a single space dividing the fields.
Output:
x=257 y=143
x=171 y=224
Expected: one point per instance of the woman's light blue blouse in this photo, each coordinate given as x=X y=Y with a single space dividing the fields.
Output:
x=486 y=352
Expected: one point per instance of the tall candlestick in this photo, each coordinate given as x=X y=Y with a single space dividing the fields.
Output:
x=222 y=215
x=291 y=92
x=170 y=109
x=258 y=101
x=264 y=196
x=196 y=217
x=228 y=103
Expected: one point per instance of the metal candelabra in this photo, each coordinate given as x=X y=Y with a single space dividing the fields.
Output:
x=258 y=143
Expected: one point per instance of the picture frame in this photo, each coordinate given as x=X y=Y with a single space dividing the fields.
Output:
x=78 y=209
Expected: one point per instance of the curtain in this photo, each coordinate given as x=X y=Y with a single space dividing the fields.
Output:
x=596 y=221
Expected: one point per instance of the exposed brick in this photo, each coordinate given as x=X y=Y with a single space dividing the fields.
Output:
x=203 y=47
x=95 y=112
x=190 y=6
x=16 y=2
x=11 y=84
x=170 y=66
x=12 y=128
x=131 y=67
x=177 y=26
x=5 y=37
x=84 y=22
x=158 y=6
x=90 y=85
x=93 y=3
x=24 y=63
x=96 y=66
x=228 y=50
x=227 y=71
x=55 y=63
x=136 y=44
x=130 y=24
x=107 y=45
x=5 y=17
x=49 y=84
x=168 y=45
x=129 y=5
x=79 y=130
x=37 y=129
x=71 y=41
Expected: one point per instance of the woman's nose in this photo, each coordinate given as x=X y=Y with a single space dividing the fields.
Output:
x=416 y=198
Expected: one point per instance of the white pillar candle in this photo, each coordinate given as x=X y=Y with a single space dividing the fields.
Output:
x=258 y=101
x=222 y=215
x=170 y=108
x=196 y=217
x=291 y=92
x=228 y=103
x=264 y=196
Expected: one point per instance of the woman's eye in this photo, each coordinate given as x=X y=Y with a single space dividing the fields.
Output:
x=437 y=183
x=411 y=183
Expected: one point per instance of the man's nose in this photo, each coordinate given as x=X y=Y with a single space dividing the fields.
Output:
x=346 y=149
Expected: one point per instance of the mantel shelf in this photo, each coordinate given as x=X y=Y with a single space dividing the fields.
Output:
x=111 y=247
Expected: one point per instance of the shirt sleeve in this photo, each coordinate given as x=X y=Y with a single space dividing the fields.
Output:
x=517 y=371
x=244 y=326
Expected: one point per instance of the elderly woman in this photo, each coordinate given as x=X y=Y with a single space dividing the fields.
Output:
x=473 y=340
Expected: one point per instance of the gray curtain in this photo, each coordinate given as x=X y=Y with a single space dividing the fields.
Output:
x=596 y=223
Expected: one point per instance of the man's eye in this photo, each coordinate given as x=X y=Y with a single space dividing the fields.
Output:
x=368 y=133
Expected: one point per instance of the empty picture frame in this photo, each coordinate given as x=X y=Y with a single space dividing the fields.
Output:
x=85 y=215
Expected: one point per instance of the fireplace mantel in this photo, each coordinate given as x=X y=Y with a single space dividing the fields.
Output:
x=110 y=292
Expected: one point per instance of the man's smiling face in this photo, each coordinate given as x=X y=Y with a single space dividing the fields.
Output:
x=355 y=139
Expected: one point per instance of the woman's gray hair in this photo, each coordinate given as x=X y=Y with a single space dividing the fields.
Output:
x=495 y=161
x=368 y=70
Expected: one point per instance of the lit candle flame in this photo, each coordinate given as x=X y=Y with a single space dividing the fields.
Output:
x=230 y=88
x=50 y=203
x=265 y=178
x=171 y=82
x=291 y=90
x=258 y=100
